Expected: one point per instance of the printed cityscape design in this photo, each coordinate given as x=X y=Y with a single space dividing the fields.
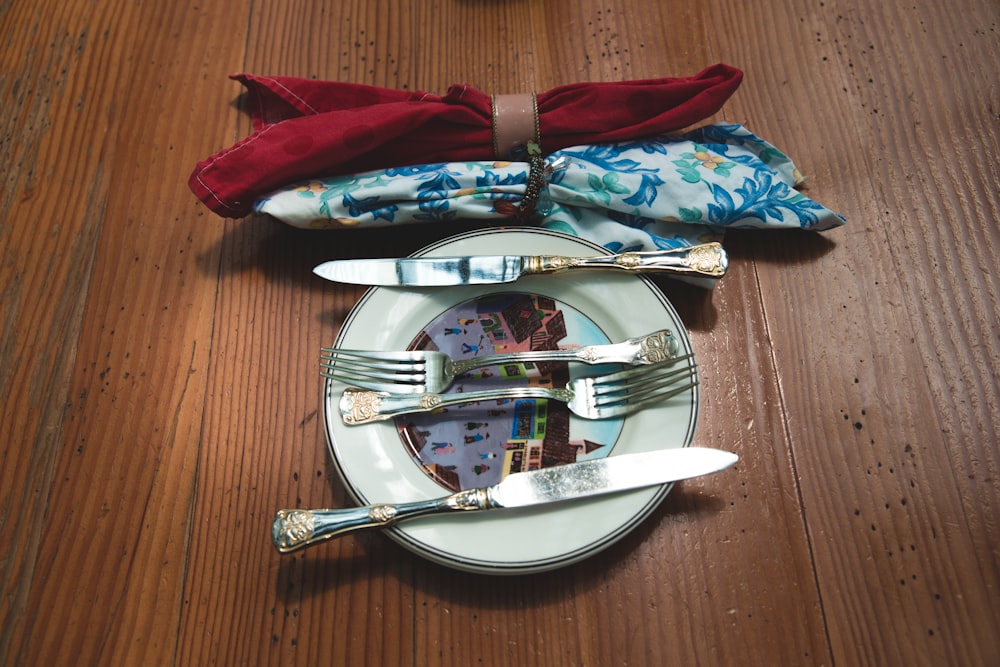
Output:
x=478 y=444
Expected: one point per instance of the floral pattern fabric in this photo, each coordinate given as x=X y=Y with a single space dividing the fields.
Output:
x=637 y=195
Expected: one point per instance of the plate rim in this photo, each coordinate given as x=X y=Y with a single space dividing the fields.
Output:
x=441 y=555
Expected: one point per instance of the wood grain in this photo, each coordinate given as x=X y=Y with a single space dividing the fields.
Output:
x=884 y=413
x=159 y=398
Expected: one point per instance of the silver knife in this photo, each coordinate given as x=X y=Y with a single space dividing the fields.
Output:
x=297 y=528
x=706 y=259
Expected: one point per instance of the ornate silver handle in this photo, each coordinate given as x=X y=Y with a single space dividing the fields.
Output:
x=362 y=406
x=706 y=259
x=640 y=351
x=295 y=529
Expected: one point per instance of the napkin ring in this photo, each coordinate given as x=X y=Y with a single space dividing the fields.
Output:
x=535 y=185
x=516 y=137
x=515 y=124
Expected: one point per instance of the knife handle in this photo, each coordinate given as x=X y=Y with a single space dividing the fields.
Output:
x=706 y=259
x=294 y=529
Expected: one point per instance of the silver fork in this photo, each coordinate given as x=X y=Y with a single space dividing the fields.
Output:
x=424 y=371
x=594 y=397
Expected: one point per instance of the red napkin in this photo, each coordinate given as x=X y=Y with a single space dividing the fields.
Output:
x=305 y=128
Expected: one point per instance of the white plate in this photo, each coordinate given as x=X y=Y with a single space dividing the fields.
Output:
x=376 y=466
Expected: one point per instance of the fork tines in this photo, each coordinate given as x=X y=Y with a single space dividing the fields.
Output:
x=347 y=366
x=646 y=385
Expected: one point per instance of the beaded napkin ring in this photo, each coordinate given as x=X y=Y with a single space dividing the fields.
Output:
x=535 y=185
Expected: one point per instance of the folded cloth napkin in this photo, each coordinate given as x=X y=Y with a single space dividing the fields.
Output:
x=304 y=127
x=646 y=194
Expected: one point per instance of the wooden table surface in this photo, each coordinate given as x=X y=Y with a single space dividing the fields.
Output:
x=159 y=395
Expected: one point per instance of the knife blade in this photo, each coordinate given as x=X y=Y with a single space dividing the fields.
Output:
x=294 y=529
x=706 y=259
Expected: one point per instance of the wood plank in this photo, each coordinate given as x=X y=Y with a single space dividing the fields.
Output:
x=125 y=441
x=264 y=450
x=45 y=272
x=853 y=330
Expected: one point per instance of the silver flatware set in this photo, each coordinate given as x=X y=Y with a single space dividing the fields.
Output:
x=379 y=385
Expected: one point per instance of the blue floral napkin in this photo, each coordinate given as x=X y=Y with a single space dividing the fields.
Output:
x=647 y=194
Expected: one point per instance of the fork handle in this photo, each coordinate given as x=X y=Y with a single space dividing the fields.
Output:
x=640 y=351
x=361 y=406
x=706 y=259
